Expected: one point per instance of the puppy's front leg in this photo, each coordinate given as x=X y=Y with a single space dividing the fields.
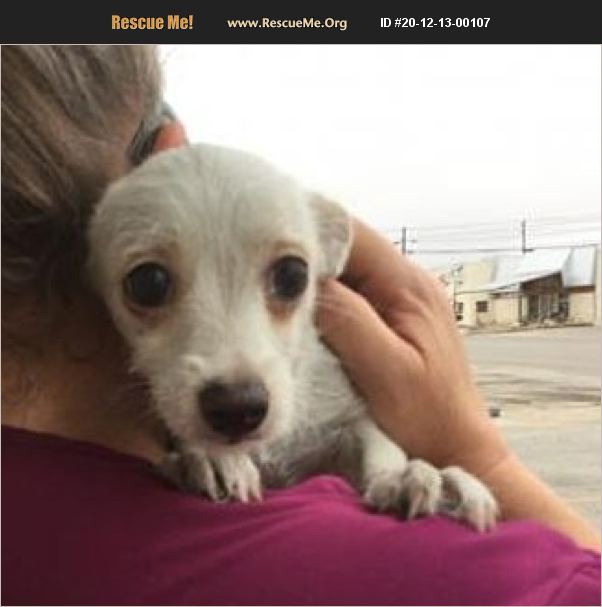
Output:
x=413 y=488
x=231 y=476
x=391 y=483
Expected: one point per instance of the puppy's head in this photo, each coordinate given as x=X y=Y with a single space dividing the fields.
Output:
x=208 y=260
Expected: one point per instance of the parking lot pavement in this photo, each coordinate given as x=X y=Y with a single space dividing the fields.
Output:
x=547 y=386
x=571 y=352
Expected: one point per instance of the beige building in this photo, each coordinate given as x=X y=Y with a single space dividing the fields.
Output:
x=542 y=287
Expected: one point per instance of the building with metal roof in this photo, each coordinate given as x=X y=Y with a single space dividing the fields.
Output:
x=543 y=286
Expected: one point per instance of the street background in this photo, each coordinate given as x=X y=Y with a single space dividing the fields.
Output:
x=546 y=383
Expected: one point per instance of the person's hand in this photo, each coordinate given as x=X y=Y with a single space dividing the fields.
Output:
x=391 y=325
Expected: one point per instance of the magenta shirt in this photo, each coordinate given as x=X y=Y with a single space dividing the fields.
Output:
x=83 y=525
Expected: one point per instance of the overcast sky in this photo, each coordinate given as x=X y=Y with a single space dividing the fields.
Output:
x=408 y=135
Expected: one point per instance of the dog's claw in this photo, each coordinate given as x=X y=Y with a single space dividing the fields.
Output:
x=420 y=489
x=240 y=477
x=190 y=472
x=421 y=484
x=467 y=499
x=220 y=478
x=414 y=491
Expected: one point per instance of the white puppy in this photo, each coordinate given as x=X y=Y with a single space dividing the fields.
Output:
x=209 y=260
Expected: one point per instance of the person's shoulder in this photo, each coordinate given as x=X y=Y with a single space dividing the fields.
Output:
x=437 y=560
x=313 y=543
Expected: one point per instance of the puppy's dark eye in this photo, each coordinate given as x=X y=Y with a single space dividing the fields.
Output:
x=288 y=277
x=148 y=285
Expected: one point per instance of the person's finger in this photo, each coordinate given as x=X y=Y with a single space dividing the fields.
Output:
x=376 y=269
x=356 y=333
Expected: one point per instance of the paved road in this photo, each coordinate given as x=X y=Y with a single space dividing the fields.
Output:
x=547 y=385
x=569 y=351
x=539 y=367
x=562 y=445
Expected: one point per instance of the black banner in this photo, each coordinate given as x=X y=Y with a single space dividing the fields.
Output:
x=402 y=23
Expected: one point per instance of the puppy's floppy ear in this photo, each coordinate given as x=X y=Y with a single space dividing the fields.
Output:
x=334 y=235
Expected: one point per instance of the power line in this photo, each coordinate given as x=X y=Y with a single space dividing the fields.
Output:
x=535 y=230
x=568 y=231
x=500 y=249
x=552 y=219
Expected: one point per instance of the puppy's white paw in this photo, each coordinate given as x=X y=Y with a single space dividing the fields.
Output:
x=191 y=471
x=421 y=488
x=239 y=476
x=415 y=491
x=467 y=499
x=222 y=478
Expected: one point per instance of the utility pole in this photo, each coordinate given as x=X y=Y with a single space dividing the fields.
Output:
x=404 y=240
x=523 y=235
x=523 y=239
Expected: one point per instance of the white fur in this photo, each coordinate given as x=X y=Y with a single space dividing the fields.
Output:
x=217 y=219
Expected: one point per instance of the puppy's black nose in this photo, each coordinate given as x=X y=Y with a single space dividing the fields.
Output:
x=234 y=409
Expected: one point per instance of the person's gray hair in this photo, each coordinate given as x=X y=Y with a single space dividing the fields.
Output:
x=67 y=115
